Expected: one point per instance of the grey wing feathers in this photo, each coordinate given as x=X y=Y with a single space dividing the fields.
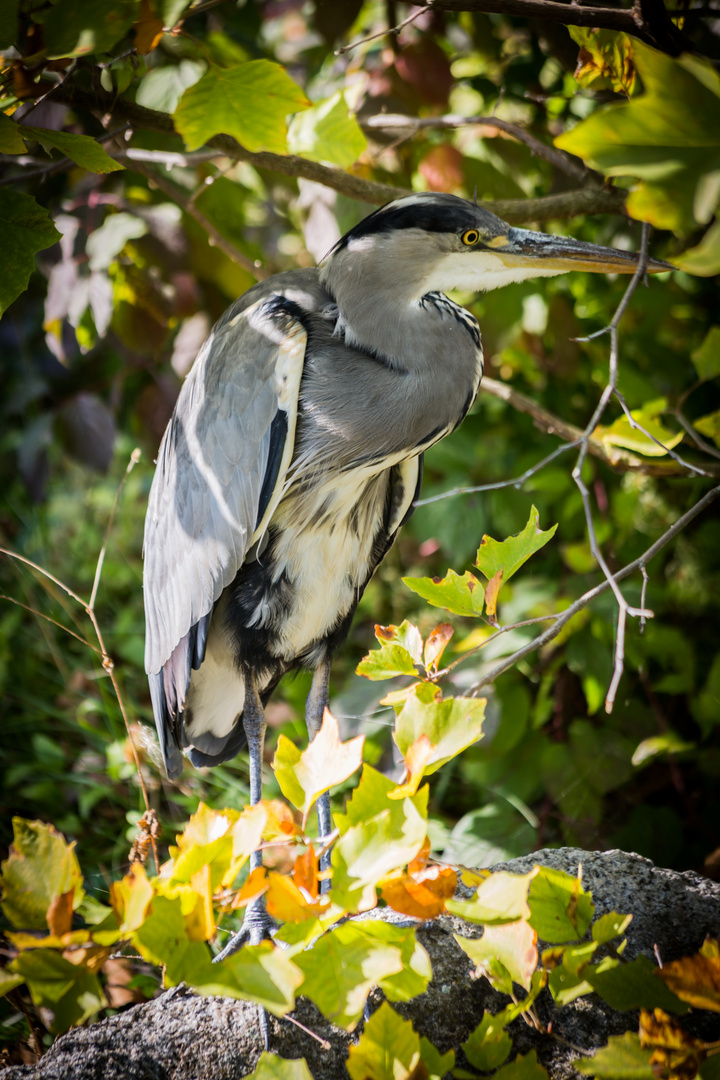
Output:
x=203 y=506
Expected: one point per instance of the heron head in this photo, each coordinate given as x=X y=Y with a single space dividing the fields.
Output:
x=437 y=242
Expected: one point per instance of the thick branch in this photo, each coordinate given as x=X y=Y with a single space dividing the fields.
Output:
x=515 y=211
x=656 y=30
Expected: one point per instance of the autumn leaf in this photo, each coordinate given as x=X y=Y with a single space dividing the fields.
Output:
x=305 y=776
x=435 y=646
x=422 y=892
x=695 y=979
x=417 y=758
x=491 y=594
x=288 y=902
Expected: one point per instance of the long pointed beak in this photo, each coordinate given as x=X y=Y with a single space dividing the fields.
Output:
x=523 y=248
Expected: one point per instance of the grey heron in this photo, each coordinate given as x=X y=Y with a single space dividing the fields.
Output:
x=295 y=453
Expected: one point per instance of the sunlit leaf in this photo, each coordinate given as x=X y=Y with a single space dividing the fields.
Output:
x=505 y=954
x=668 y=136
x=561 y=909
x=272 y=1067
x=524 y=1067
x=450 y=724
x=81 y=149
x=703 y=259
x=488 y=1046
x=327 y=132
x=436 y=644
x=305 y=776
x=340 y=970
x=622 y=432
x=460 y=593
x=500 y=898
x=388 y=1049
x=605 y=60
x=610 y=926
x=706 y=358
x=41 y=867
x=288 y=903
x=130 y=898
x=509 y=555
x=654 y=746
x=622 y=1059
x=422 y=892
x=248 y=101
x=106 y=242
x=262 y=973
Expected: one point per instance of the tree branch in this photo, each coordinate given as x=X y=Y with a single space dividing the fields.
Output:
x=567 y=163
x=514 y=211
x=657 y=30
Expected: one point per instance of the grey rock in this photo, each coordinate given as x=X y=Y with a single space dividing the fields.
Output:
x=182 y=1037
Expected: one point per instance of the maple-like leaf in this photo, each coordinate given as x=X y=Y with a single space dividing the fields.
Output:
x=305 y=776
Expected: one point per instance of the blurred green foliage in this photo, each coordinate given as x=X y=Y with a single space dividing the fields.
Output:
x=95 y=348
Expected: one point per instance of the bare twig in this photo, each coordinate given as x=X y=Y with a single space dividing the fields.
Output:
x=188 y=204
x=690 y=430
x=568 y=163
x=381 y=33
x=564 y=618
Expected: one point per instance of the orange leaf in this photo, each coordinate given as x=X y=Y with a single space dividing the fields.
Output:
x=59 y=914
x=285 y=901
x=416 y=760
x=305 y=872
x=491 y=594
x=255 y=885
x=436 y=644
x=421 y=894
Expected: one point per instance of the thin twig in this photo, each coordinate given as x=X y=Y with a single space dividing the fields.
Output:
x=568 y=163
x=41 y=615
x=690 y=430
x=313 y=1035
x=637 y=564
x=134 y=458
x=188 y=204
x=381 y=33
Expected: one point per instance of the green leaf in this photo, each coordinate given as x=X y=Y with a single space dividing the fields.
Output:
x=84 y=151
x=709 y=425
x=70 y=991
x=622 y=1059
x=561 y=909
x=501 y=898
x=162 y=88
x=524 y=1067
x=327 y=132
x=706 y=358
x=504 y=954
x=8 y=981
x=26 y=228
x=610 y=926
x=248 y=101
x=416 y=971
x=605 y=60
x=377 y=835
x=8 y=25
x=80 y=27
x=11 y=141
x=262 y=973
x=632 y=986
x=704 y=258
x=509 y=555
x=461 y=594
x=387 y=662
x=40 y=868
x=493 y=833
x=667 y=743
x=438 y=1065
x=388 y=1048
x=489 y=1044
x=451 y=724
x=272 y=1067
x=622 y=433
x=342 y=967
x=668 y=137
x=305 y=775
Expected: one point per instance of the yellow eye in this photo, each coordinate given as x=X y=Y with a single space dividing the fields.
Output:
x=470 y=237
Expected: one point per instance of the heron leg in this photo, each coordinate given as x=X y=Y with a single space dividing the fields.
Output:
x=257 y=924
x=315 y=705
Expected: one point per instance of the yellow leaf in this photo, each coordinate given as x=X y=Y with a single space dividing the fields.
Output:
x=416 y=759
x=491 y=594
x=326 y=761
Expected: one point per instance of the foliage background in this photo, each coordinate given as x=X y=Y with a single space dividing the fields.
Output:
x=95 y=348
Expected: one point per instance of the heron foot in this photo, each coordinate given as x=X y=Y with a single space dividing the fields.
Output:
x=257 y=926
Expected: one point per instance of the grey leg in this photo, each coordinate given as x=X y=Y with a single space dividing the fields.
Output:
x=314 y=708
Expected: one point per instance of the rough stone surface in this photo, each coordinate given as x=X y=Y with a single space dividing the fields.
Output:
x=181 y=1037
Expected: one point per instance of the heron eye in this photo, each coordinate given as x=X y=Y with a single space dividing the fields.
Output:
x=470 y=237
